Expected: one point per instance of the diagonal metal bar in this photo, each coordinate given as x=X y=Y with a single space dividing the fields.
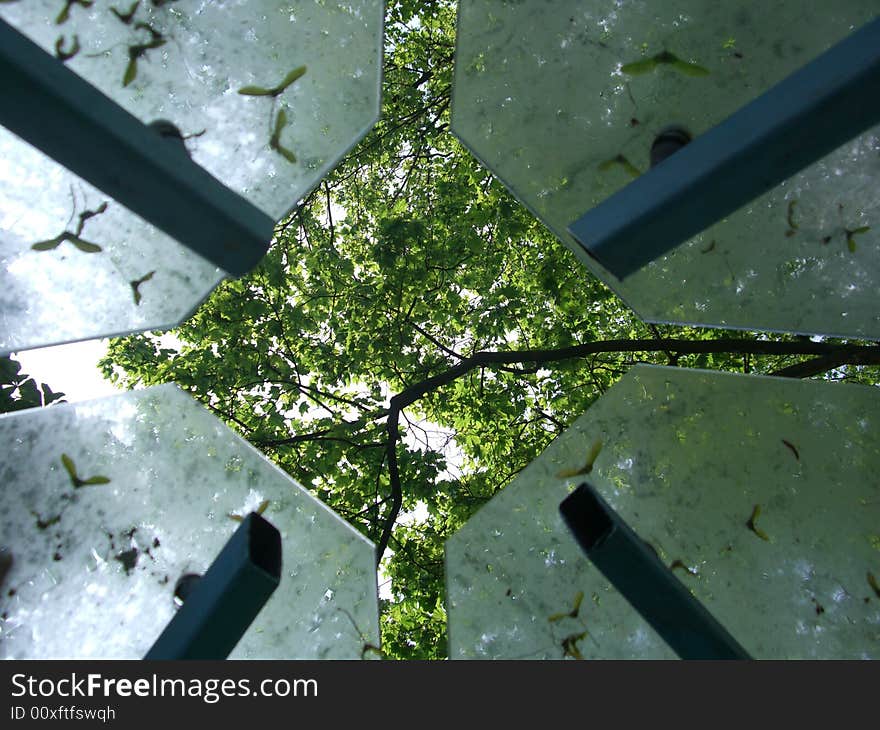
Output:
x=52 y=108
x=650 y=587
x=806 y=116
x=227 y=599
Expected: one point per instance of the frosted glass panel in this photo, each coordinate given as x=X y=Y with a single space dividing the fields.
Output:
x=759 y=493
x=75 y=264
x=563 y=99
x=106 y=504
x=268 y=95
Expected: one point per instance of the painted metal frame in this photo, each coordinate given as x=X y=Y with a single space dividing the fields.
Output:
x=635 y=570
x=52 y=108
x=226 y=600
x=806 y=116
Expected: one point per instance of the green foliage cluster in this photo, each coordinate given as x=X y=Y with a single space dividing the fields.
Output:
x=19 y=391
x=352 y=354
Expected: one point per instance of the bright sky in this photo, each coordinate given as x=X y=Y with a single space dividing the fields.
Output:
x=71 y=369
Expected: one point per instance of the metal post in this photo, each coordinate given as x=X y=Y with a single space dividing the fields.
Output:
x=808 y=115
x=52 y=108
x=650 y=587
x=225 y=601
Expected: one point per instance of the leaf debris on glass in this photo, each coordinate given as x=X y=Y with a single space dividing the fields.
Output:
x=792 y=448
x=850 y=236
x=789 y=217
x=74 y=238
x=138 y=50
x=578 y=599
x=75 y=479
x=586 y=468
x=623 y=162
x=127 y=16
x=756 y=512
x=367 y=647
x=275 y=90
x=570 y=645
x=64 y=15
x=664 y=58
x=63 y=55
x=872 y=581
x=46 y=524
x=136 y=283
x=275 y=139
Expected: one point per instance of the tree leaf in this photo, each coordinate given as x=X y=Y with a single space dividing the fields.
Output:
x=50 y=396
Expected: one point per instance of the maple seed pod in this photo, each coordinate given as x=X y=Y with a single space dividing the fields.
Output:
x=668 y=142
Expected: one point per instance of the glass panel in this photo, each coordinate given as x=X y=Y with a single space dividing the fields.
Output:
x=562 y=101
x=150 y=491
x=269 y=95
x=111 y=273
x=759 y=493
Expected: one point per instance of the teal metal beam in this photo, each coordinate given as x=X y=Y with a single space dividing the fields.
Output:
x=650 y=587
x=56 y=111
x=225 y=601
x=803 y=118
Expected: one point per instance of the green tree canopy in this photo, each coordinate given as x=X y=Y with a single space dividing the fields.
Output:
x=414 y=337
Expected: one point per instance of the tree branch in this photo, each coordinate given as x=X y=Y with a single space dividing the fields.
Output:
x=818 y=365
x=394 y=480
x=829 y=356
x=866 y=354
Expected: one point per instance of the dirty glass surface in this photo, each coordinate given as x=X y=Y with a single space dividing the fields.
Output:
x=562 y=100
x=268 y=95
x=75 y=264
x=759 y=493
x=107 y=503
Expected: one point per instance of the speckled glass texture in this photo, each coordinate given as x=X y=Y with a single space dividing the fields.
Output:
x=268 y=95
x=94 y=567
x=561 y=101
x=120 y=275
x=209 y=68
x=759 y=493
